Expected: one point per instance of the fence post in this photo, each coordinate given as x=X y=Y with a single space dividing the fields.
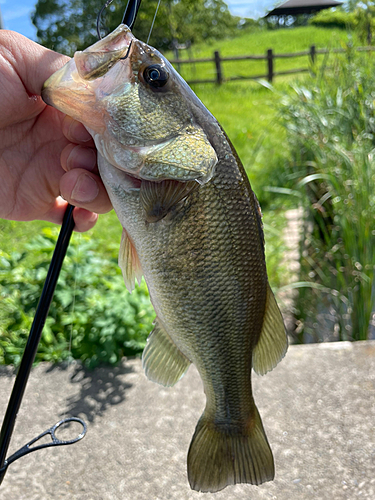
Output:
x=176 y=54
x=270 y=65
x=312 y=60
x=312 y=54
x=219 y=74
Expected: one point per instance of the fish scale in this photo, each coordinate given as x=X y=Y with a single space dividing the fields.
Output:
x=138 y=114
x=220 y=300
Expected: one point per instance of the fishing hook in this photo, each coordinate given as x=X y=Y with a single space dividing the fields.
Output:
x=129 y=18
x=99 y=18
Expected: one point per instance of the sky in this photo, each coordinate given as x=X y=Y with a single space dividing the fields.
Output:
x=16 y=13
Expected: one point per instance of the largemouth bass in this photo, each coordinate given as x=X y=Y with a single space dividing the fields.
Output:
x=192 y=227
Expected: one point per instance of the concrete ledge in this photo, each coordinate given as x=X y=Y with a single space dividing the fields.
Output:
x=317 y=406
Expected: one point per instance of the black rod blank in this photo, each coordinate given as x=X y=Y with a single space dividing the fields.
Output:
x=131 y=12
x=34 y=336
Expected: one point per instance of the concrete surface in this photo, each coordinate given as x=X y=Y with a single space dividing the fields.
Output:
x=318 y=408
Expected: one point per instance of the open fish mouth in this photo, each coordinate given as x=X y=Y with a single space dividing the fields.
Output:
x=94 y=61
x=74 y=87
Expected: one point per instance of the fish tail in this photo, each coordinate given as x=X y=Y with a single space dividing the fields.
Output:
x=222 y=454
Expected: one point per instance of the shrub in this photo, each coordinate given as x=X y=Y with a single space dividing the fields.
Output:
x=334 y=19
x=92 y=316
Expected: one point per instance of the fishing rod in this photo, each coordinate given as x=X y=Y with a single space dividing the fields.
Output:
x=28 y=357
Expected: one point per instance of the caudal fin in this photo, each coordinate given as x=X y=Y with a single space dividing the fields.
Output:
x=221 y=455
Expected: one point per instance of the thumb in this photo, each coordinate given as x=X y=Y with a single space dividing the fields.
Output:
x=32 y=62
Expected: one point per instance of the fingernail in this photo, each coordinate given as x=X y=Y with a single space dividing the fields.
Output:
x=81 y=157
x=85 y=189
x=94 y=217
x=78 y=132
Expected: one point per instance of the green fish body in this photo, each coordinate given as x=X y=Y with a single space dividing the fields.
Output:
x=192 y=228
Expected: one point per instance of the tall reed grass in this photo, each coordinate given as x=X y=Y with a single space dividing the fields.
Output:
x=330 y=122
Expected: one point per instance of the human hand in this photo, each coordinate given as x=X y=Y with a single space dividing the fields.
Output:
x=43 y=153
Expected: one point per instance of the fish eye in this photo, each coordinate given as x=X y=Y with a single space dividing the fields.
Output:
x=155 y=75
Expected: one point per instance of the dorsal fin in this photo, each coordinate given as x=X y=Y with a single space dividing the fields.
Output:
x=273 y=340
x=129 y=262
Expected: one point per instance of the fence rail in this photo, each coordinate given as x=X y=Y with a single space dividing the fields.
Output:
x=269 y=57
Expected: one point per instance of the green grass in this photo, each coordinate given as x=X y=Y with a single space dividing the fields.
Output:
x=257 y=43
x=248 y=114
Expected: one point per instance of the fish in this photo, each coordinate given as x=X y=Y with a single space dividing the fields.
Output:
x=192 y=227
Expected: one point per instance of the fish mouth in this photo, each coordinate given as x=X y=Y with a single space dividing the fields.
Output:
x=74 y=84
x=52 y=83
x=46 y=96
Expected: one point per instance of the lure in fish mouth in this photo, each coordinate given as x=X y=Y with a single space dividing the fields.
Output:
x=192 y=227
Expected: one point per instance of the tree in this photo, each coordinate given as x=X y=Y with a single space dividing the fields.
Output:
x=71 y=25
x=365 y=14
x=364 y=18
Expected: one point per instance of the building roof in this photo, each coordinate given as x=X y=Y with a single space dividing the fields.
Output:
x=294 y=7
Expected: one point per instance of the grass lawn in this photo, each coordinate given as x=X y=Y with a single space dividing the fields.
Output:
x=248 y=114
x=257 y=42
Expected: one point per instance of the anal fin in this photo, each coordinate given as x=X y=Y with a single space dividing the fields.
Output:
x=273 y=341
x=162 y=361
x=129 y=262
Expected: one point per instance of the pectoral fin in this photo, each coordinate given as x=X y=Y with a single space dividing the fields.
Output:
x=162 y=361
x=188 y=156
x=158 y=198
x=273 y=341
x=129 y=262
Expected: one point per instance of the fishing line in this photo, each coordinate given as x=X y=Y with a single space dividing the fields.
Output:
x=153 y=21
x=71 y=361
x=76 y=271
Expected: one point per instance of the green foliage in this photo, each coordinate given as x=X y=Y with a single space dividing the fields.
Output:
x=92 y=317
x=338 y=18
x=362 y=13
x=330 y=126
x=365 y=20
x=71 y=25
x=275 y=247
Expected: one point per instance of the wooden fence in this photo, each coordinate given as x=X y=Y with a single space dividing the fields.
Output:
x=269 y=57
